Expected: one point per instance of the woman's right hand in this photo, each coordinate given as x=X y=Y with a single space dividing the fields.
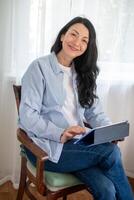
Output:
x=71 y=132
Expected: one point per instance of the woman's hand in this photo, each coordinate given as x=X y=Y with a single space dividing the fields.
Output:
x=70 y=132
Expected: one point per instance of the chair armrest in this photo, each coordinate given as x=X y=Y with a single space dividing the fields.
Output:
x=29 y=144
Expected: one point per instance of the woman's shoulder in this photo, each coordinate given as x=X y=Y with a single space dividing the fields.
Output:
x=41 y=60
x=41 y=65
x=45 y=61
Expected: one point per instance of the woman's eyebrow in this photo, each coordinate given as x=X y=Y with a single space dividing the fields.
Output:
x=79 y=33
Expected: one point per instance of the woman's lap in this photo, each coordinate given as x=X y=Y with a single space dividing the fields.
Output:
x=78 y=157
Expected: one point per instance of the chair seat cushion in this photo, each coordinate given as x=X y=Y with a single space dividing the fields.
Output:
x=56 y=181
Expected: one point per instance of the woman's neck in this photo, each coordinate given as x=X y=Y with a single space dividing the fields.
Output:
x=63 y=59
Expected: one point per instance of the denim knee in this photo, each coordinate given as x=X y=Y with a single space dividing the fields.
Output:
x=112 y=158
x=106 y=192
x=116 y=154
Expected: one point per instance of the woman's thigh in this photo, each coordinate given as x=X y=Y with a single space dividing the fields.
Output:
x=77 y=157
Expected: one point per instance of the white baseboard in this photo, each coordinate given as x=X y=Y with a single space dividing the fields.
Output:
x=9 y=178
x=5 y=179
x=16 y=186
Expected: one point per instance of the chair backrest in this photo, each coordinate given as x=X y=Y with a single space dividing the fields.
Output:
x=17 y=92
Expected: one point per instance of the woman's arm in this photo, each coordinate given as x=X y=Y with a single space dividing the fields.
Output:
x=30 y=117
x=95 y=115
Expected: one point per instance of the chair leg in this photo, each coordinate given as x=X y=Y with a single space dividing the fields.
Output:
x=29 y=194
x=23 y=176
x=65 y=198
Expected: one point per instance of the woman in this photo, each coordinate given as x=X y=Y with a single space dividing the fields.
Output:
x=58 y=95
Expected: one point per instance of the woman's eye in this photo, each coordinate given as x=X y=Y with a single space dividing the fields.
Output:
x=73 y=34
x=85 y=41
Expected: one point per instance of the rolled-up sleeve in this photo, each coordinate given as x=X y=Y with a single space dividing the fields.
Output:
x=95 y=115
x=30 y=117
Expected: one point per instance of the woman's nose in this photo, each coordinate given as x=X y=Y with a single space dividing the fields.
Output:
x=77 y=41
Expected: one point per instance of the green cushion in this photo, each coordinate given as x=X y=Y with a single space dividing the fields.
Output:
x=56 y=179
x=61 y=179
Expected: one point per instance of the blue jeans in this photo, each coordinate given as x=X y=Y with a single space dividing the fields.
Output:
x=99 y=167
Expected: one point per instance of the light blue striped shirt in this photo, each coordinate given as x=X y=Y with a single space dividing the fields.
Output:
x=43 y=96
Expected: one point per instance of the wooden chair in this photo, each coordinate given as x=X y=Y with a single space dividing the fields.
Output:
x=48 y=185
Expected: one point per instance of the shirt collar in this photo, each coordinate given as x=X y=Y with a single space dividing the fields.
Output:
x=54 y=63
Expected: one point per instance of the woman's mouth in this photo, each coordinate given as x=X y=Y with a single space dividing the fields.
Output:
x=73 y=48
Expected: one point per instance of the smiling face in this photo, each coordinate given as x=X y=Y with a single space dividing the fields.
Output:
x=75 y=41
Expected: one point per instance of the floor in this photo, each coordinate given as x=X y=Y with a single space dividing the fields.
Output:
x=7 y=192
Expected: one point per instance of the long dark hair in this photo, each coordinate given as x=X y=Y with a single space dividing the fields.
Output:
x=85 y=65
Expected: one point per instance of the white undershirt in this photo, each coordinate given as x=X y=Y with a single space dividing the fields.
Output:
x=69 y=108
